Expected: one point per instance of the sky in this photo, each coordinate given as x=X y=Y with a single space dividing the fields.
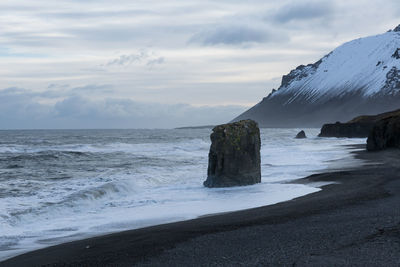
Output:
x=163 y=64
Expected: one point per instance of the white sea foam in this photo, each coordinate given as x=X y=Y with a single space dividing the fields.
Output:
x=133 y=185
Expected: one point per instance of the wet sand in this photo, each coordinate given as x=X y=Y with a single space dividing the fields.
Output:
x=354 y=222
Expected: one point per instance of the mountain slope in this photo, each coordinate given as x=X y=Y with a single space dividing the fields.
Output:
x=359 y=77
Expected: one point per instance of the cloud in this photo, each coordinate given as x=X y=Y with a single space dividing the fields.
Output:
x=156 y=61
x=18 y=110
x=234 y=34
x=90 y=89
x=127 y=34
x=22 y=109
x=306 y=10
x=124 y=60
x=149 y=59
x=94 y=14
x=56 y=91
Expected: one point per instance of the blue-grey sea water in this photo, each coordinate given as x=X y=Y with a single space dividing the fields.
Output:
x=62 y=185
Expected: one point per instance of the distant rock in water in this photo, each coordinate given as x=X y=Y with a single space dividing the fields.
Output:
x=234 y=158
x=301 y=135
x=385 y=134
x=358 y=127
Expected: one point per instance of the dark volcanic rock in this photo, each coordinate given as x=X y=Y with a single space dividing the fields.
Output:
x=396 y=54
x=385 y=134
x=350 y=130
x=234 y=157
x=301 y=135
x=392 y=84
x=359 y=127
x=299 y=73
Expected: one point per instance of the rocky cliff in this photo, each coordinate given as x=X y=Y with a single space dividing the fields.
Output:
x=358 y=127
x=385 y=134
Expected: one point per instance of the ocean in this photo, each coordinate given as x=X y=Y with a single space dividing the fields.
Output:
x=63 y=185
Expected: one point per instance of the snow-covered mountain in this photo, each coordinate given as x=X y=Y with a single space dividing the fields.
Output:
x=359 y=77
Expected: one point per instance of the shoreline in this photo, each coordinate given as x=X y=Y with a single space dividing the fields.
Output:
x=153 y=245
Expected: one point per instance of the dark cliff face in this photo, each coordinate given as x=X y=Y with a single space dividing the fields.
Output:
x=349 y=130
x=358 y=127
x=297 y=74
x=385 y=134
x=234 y=157
x=300 y=72
x=392 y=84
x=396 y=54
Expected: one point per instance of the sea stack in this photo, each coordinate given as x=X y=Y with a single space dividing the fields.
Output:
x=301 y=135
x=234 y=157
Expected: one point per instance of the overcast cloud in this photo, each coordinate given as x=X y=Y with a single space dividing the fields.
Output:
x=136 y=64
x=305 y=10
x=70 y=109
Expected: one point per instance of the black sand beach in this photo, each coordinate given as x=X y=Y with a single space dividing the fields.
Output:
x=355 y=222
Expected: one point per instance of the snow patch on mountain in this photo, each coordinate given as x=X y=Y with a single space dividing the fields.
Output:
x=369 y=66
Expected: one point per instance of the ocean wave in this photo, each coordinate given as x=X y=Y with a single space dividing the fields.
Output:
x=70 y=203
x=95 y=193
x=14 y=166
x=40 y=155
x=189 y=145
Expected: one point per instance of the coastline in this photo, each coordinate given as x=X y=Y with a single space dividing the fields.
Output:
x=204 y=240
